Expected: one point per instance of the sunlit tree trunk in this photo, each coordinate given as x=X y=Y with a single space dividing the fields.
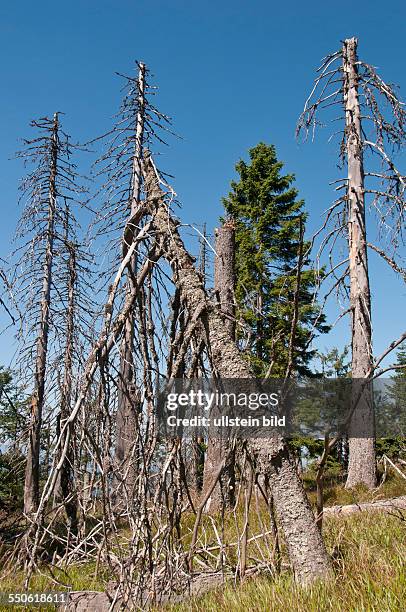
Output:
x=361 y=464
x=217 y=449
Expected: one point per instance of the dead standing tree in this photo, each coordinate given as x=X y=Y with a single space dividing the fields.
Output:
x=31 y=486
x=223 y=494
x=361 y=459
x=73 y=321
x=357 y=88
x=128 y=404
x=47 y=189
x=196 y=369
x=138 y=122
x=65 y=492
x=42 y=192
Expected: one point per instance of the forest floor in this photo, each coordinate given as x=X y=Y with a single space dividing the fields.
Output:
x=368 y=552
x=369 y=557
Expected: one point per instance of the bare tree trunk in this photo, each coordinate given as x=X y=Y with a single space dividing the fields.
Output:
x=305 y=544
x=361 y=465
x=32 y=470
x=198 y=453
x=64 y=488
x=224 y=274
x=127 y=397
x=219 y=449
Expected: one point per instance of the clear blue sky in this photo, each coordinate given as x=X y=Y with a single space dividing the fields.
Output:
x=230 y=73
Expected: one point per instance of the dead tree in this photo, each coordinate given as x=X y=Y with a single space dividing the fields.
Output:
x=74 y=323
x=48 y=189
x=219 y=449
x=137 y=123
x=156 y=547
x=355 y=86
x=361 y=464
x=156 y=559
x=48 y=181
x=305 y=545
x=128 y=403
x=224 y=274
x=64 y=490
x=198 y=445
x=3 y=304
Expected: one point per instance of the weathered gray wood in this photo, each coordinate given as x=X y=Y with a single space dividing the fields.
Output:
x=384 y=505
x=224 y=274
x=89 y=601
x=99 y=601
x=64 y=490
x=362 y=464
x=128 y=402
x=217 y=449
x=31 y=486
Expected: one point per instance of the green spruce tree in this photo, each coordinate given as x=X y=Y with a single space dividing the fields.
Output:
x=13 y=423
x=268 y=217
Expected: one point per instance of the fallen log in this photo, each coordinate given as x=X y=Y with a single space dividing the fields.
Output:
x=92 y=601
x=383 y=505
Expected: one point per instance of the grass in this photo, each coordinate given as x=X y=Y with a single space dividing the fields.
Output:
x=335 y=493
x=369 y=556
x=80 y=578
x=368 y=552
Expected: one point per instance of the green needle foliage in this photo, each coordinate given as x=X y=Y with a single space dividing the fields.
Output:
x=395 y=447
x=13 y=420
x=268 y=217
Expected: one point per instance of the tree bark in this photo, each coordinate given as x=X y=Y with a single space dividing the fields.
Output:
x=361 y=464
x=32 y=470
x=224 y=274
x=218 y=448
x=128 y=403
x=198 y=446
x=305 y=544
x=64 y=488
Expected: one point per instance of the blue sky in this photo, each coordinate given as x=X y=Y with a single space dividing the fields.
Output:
x=230 y=73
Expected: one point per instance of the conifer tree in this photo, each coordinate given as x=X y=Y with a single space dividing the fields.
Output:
x=13 y=418
x=13 y=411
x=398 y=392
x=268 y=218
